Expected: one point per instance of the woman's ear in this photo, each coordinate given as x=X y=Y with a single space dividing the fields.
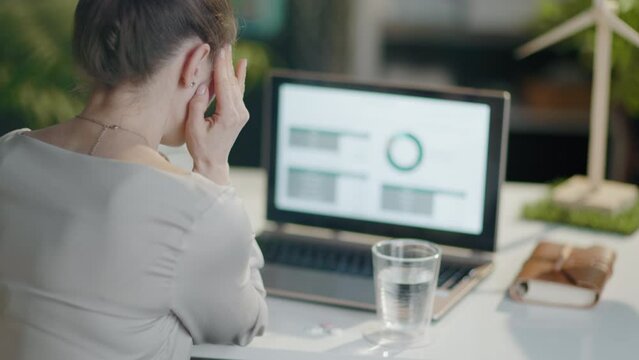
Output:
x=194 y=70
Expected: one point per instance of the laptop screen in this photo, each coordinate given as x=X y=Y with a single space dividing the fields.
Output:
x=387 y=157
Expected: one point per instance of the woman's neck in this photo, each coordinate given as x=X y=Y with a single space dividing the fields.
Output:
x=140 y=112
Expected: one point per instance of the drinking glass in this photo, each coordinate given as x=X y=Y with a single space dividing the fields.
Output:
x=405 y=273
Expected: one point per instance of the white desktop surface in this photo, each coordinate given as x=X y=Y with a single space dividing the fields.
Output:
x=484 y=325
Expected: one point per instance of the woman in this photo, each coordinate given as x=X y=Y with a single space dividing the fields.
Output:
x=107 y=251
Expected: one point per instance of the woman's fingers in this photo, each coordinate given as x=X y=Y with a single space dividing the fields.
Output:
x=240 y=73
x=229 y=74
x=220 y=65
x=230 y=69
x=198 y=105
x=221 y=80
x=229 y=82
x=199 y=102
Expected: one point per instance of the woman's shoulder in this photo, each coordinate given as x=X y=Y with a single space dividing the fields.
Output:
x=187 y=193
x=140 y=174
x=151 y=158
x=12 y=134
x=7 y=141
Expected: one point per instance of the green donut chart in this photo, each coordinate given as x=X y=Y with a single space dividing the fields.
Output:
x=404 y=152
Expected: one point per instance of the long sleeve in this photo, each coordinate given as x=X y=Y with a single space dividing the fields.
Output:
x=218 y=290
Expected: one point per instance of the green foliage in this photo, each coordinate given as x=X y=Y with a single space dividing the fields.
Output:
x=546 y=210
x=36 y=68
x=625 y=84
x=38 y=80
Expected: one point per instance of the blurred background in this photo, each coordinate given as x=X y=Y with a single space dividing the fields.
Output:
x=432 y=42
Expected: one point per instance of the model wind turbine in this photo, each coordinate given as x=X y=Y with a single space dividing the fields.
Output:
x=593 y=191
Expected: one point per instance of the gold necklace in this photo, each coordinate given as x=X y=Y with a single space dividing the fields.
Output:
x=106 y=127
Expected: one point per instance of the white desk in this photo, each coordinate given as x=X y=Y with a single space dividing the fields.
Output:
x=485 y=325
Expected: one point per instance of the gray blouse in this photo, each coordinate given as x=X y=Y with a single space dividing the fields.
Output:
x=102 y=259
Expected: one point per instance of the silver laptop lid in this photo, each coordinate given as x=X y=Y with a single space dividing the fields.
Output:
x=384 y=159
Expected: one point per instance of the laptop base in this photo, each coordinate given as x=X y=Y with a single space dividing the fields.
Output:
x=339 y=273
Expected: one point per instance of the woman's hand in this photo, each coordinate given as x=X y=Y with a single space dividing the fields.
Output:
x=209 y=140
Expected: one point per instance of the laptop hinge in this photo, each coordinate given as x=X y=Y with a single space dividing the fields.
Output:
x=324 y=233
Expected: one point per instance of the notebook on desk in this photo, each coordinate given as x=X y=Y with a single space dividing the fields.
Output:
x=347 y=157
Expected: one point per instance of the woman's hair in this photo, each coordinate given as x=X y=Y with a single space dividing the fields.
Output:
x=128 y=40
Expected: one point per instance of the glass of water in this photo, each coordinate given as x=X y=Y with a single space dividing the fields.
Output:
x=406 y=273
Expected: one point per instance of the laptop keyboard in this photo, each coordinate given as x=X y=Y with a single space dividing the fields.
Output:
x=343 y=260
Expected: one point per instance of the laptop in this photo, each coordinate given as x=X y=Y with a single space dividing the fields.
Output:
x=351 y=162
